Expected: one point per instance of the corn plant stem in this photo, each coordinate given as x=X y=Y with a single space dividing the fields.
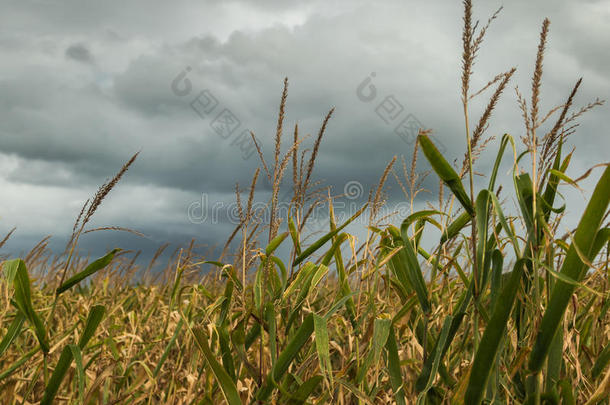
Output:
x=475 y=271
x=63 y=277
x=534 y=382
x=243 y=264
x=45 y=369
x=574 y=268
x=56 y=298
x=261 y=351
x=536 y=313
x=30 y=386
x=471 y=184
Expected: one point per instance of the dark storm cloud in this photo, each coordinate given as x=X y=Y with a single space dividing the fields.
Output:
x=80 y=53
x=66 y=127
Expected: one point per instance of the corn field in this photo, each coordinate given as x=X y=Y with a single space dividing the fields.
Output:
x=502 y=309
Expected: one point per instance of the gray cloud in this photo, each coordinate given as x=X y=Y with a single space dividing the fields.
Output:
x=79 y=53
x=65 y=126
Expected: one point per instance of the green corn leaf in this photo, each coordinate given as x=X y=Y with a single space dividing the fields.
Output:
x=573 y=268
x=9 y=371
x=272 y=329
x=274 y=283
x=602 y=237
x=554 y=363
x=436 y=358
x=485 y=356
x=444 y=170
x=310 y=282
x=568 y=280
x=482 y=221
x=169 y=346
x=318 y=275
x=320 y=242
x=342 y=301
x=89 y=270
x=335 y=251
x=525 y=193
x=61 y=368
x=419 y=215
x=398 y=268
x=9 y=270
x=13 y=331
x=494 y=173
x=252 y=334
x=562 y=176
x=305 y=390
x=283 y=272
x=225 y=307
x=65 y=359
x=419 y=230
x=601 y=362
x=553 y=182
x=93 y=320
x=291 y=350
x=501 y=218
x=345 y=290
x=80 y=371
x=413 y=270
x=455 y=227
x=300 y=278
x=275 y=243
x=567 y=393
x=323 y=346
x=381 y=331
x=294 y=234
x=226 y=352
x=335 y=247
x=393 y=366
x=226 y=384
x=23 y=299
x=496 y=277
x=259 y=289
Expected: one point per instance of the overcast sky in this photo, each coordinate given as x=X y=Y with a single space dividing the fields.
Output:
x=84 y=85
